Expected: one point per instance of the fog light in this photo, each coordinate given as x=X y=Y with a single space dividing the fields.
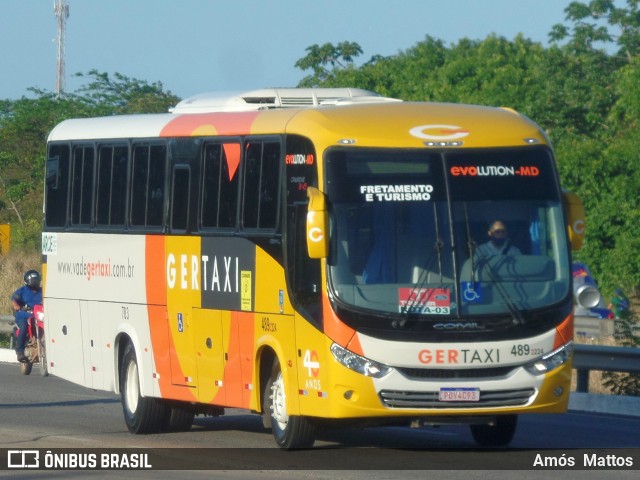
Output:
x=348 y=394
x=558 y=391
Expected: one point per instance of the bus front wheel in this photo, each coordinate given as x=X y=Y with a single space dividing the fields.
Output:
x=141 y=414
x=497 y=435
x=290 y=431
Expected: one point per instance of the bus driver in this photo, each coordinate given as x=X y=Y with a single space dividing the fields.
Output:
x=499 y=242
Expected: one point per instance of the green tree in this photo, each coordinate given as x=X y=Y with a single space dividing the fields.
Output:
x=123 y=95
x=26 y=123
x=586 y=99
x=325 y=60
x=601 y=21
x=24 y=126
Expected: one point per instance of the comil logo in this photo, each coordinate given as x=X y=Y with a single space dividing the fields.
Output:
x=439 y=133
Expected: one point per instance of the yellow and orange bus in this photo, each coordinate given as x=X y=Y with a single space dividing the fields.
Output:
x=313 y=256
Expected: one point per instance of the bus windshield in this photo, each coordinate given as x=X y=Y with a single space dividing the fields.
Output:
x=446 y=234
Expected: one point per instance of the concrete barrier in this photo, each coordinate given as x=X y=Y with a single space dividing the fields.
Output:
x=592 y=327
x=8 y=356
x=608 y=404
x=6 y=323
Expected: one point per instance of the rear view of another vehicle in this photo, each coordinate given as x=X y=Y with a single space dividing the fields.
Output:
x=588 y=299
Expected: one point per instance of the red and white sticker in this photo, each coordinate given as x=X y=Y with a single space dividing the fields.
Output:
x=427 y=301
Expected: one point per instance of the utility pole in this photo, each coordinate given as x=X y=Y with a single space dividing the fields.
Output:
x=61 y=11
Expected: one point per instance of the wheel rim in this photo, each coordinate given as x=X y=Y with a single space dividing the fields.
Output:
x=132 y=388
x=279 y=403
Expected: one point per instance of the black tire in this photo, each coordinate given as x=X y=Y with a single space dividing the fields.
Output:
x=290 y=432
x=497 y=435
x=42 y=354
x=25 y=367
x=141 y=414
x=178 y=420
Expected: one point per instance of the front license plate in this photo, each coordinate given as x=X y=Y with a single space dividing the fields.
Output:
x=459 y=395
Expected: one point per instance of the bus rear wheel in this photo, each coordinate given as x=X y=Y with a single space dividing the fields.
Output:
x=141 y=414
x=498 y=434
x=290 y=431
x=178 y=420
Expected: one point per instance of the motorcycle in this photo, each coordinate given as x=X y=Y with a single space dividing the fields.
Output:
x=35 y=346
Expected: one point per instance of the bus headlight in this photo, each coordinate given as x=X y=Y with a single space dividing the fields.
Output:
x=359 y=364
x=551 y=361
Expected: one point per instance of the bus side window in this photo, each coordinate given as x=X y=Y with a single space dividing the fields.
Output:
x=57 y=187
x=261 y=180
x=180 y=198
x=219 y=200
x=111 y=183
x=82 y=185
x=147 y=185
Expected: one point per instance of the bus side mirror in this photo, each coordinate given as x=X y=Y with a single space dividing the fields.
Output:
x=317 y=224
x=575 y=213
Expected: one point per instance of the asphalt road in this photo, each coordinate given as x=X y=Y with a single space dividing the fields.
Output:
x=50 y=413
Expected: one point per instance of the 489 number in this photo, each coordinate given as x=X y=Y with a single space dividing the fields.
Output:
x=524 y=350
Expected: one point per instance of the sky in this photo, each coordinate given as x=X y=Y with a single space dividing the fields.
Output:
x=196 y=46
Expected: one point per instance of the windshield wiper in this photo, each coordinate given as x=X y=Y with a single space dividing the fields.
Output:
x=439 y=243
x=414 y=295
x=471 y=246
x=511 y=305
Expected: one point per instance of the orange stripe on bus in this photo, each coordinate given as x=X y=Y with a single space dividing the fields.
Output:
x=156 y=308
x=239 y=369
x=355 y=346
x=564 y=332
x=333 y=326
x=233 y=123
x=155 y=273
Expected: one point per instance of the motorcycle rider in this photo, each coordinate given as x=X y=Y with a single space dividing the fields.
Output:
x=23 y=300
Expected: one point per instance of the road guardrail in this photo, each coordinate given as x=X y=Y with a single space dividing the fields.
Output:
x=607 y=359
x=6 y=322
x=6 y=326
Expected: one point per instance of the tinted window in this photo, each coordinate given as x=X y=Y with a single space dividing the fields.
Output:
x=262 y=172
x=220 y=185
x=111 y=185
x=180 y=198
x=147 y=184
x=82 y=185
x=57 y=186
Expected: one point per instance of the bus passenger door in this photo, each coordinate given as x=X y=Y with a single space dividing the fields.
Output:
x=207 y=325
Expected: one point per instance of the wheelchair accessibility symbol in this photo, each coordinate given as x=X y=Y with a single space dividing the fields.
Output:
x=471 y=292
